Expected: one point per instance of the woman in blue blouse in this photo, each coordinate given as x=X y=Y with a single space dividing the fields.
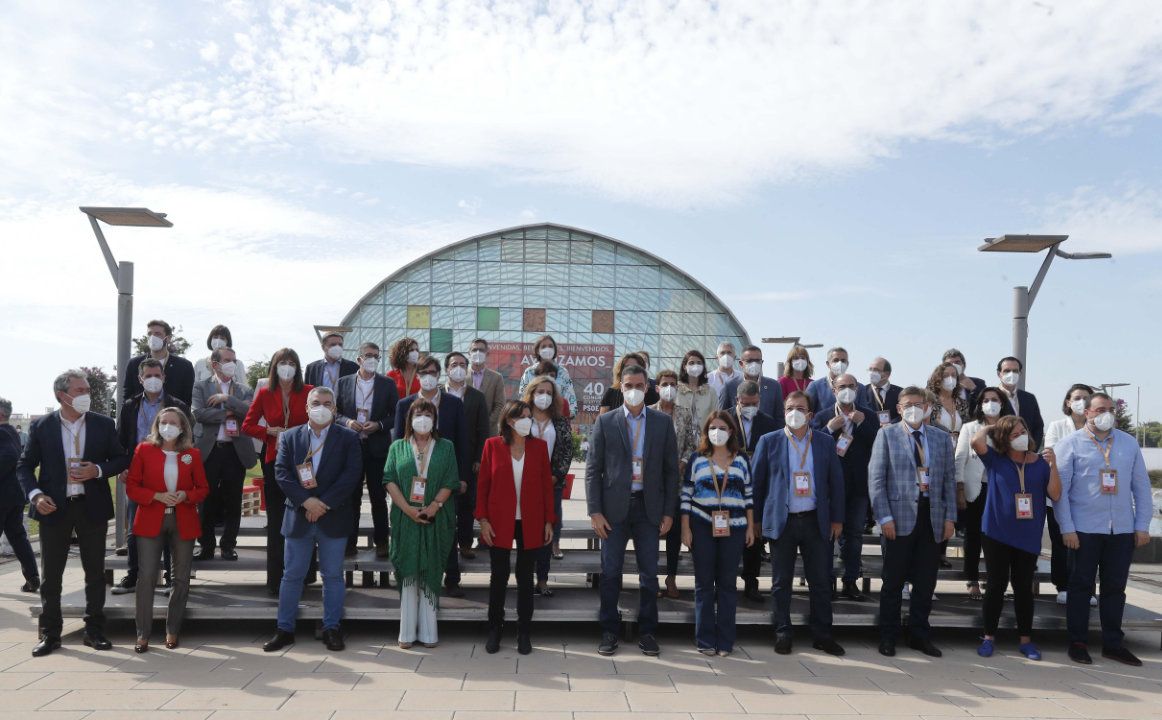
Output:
x=717 y=521
x=1012 y=524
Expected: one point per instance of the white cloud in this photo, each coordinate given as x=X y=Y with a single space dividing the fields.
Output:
x=470 y=205
x=1125 y=222
x=210 y=52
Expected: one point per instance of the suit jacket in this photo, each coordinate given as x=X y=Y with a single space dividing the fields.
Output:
x=127 y=418
x=451 y=424
x=313 y=373
x=384 y=400
x=46 y=452
x=477 y=422
x=267 y=405
x=179 y=378
x=863 y=436
x=339 y=473
x=211 y=417
x=496 y=493
x=609 y=467
x=822 y=395
x=865 y=399
x=1030 y=412
x=10 y=494
x=770 y=397
x=772 y=484
x=761 y=425
x=147 y=477
x=492 y=385
x=894 y=487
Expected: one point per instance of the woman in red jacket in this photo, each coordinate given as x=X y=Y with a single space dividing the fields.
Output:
x=514 y=501
x=404 y=357
x=278 y=407
x=167 y=482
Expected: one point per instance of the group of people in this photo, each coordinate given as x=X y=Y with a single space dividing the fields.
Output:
x=728 y=462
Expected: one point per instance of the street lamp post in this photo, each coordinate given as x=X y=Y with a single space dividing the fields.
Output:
x=1023 y=297
x=122 y=273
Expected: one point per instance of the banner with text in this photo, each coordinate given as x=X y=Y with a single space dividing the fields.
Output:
x=590 y=366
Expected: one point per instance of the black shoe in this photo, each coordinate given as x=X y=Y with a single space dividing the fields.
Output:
x=648 y=645
x=127 y=585
x=751 y=592
x=454 y=591
x=31 y=586
x=467 y=553
x=851 y=591
x=829 y=646
x=230 y=554
x=333 y=639
x=121 y=551
x=272 y=590
x=381 y=551
x=887 y=648
x=1079 y=653
x=945 y=564
x=925 y=646
x=783 y=644
x=280 y=640
x=608 y=644
x=204 y=554
x=46 y=646
x=1121 y=655
x=96 y=640
x=492 y=644
x=524 y=644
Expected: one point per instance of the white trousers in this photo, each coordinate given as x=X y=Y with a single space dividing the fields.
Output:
x=417 y=616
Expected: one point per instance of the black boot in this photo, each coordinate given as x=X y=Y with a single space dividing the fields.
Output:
x=492 y=645
x=524 y=644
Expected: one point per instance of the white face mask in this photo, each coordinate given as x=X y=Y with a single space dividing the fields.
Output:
x=991 y=408
x=82 y=403
x=370 y=364
x=457 y=374
x=228 y=368
x=668 y=392
x=927 y=412
x=914 y=415
x=795 y=419
x=422 y=424
x=838 y=367
x=1078 y=407
x=286 y=371
x=748 y=411
x=948 y=383
x=846 y=396
x=718 y=436
x=1011 y=377
x=1104 y=422
x=874 y=377
x=959 y=369
x=543 y=400
x=547 y=352
x=152 y=385
x=634 y=397
x=522 y=426
x=799 y=364
x=477 y=357
x=156 y=343
x=217 y=343
x=320 y=414
x=1021 y=443
x=694 y=370
x=335 y=352
x=414 y=357
x=428 y=383
x=168 y=431
x=753 y=369
x=726 y=362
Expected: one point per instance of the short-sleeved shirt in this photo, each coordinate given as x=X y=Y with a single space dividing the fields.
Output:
x=1000 y=509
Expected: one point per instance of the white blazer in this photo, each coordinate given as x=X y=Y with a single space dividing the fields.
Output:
x=1058 y=430
x=970 y=470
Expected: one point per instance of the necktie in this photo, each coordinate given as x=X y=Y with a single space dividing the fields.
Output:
x=916 y=447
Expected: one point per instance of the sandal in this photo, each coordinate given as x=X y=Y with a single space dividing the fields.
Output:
x=141 y=646
x=974 y=591
x=171 y=642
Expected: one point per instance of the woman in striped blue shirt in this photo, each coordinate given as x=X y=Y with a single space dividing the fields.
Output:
x=717 y=521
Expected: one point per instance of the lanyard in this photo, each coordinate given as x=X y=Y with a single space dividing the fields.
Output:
x=365 y=403
x=800 y=387
x=718 y=490
x=846 y=418
x=919 y=445
x=875 y=391
x=635 y=432
x=1020 y=473
x=795 y=443
x=422 y=457
x=315 y=451
x=1105 y=453
x=76 y=436
x=285 y=408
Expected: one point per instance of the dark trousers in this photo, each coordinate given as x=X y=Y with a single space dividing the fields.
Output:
x=465 y=515
x=1107 y=557
x=500 y=562
x=545 y=557
x=715 y=584
x=635 y=526
x=12 y=524
x=1008 y=565
x=224 y=475
x=851 y=541
x=134 y=559
x=801 y=536
x=373 y=477
x=55 y=538
x=1059 y=556
x=673 y=547
x=915 y=557
x=275 y=543
x=752 y=560
x=972 y=516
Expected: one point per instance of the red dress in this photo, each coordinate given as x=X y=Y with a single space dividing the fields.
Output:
x=496 y=492
x=147 y=476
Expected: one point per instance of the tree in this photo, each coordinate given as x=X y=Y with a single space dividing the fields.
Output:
x=258 y=369
x=1125 y=421
x=1151 y=433
x=178 y=344
x=100 y=390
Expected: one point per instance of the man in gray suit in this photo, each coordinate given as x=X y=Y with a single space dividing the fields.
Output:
x=486 y=381
x=631 y=487
x=912 y=485
x=219 y=406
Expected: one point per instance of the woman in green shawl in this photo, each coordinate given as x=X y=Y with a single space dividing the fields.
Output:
x=420 y=476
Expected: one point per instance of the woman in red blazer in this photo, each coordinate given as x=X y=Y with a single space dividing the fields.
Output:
x=278 y=407
x=404 y=357
x=167 y=481
x=514 y=501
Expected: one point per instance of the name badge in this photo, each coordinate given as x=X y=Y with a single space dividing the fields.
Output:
x=802 y=484
x=307 y=476
x=75 y=464
x=720 y=522
x=923 y=477
x=637 y=469
x=361 y=416
x=419 y=489
x=231 y=427
x=885 y=417
x=1024 y=506
x=75 y=488
x=842 y=444
x=1109 y=481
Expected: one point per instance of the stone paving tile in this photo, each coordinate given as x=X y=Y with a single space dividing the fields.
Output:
x=929 y=686
x=532 y=700
x=793 y=704
x=1110 y=710
x=71 y=660
x=222 y=699
x=304 y=681
x=385 y=662
x=410 y=681
x=45 y=715
x=161 y=660
x=634 y=716
x=283 y=714
x=460 y=663
x=90 y=680
x=567 y=664
x=343 y=700
x=178 y=680
x=1003 y=688
x=393 y=715
x=501 y=715
x=718 y=684
x=621 y=683
x=637 y=664
x=519 y=681
x=1023 y=708
x=30 y=699
x=17 y=680
x=147 y=714
x=112 y=700
x=683 y=702
x=887 y=704
x=458 y=699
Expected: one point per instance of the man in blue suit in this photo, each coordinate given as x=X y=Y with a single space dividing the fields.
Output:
x=912 y=484
x=820 y=390
x=317 y=467
x=754 y=424
x=770 y=392
x=798 y=495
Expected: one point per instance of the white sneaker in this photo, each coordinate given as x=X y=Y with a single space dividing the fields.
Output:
x=1062 y=597
x=907 y=593
x=1093 y=600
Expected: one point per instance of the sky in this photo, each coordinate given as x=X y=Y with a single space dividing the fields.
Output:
x=828 y=169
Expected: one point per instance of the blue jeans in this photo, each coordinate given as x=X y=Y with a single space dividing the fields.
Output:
x=545 y=554
x=851 y=541
x=635 y=526
x=1110 y=556
x=801 y=536
x=715 y=584
x=297 y=554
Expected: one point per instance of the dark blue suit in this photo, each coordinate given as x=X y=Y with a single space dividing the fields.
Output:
x=854 y=464
x=770 y=397
x=12 y=502
x=864 y=398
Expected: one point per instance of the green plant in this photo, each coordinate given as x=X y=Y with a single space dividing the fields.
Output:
x=257 y=370
x=1156 y=478
x=178 y=344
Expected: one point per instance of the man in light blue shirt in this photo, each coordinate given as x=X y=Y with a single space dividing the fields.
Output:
x=1104 y=513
